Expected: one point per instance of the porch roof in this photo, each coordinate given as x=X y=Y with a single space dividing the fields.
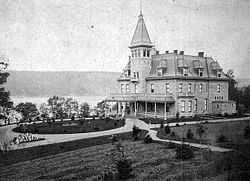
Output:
x=139 y=97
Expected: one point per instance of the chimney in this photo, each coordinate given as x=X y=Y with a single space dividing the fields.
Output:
x=181 y=52
x=166 y=52
x=176 y=51
x=157 y=52
x=201 y=54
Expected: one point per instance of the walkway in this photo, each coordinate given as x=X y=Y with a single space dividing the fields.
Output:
x=8 y=134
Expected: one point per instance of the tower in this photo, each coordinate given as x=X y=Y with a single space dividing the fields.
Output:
x=141 y=50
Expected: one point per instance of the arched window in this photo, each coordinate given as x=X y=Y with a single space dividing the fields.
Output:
x=148 y=53
x=144 y=52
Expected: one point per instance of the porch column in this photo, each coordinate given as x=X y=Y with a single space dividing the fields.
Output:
x=165 y=110
x=118 y=107
x=155 y=109
x=135 y=108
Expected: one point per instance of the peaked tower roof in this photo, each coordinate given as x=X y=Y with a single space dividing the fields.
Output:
x=141 y=36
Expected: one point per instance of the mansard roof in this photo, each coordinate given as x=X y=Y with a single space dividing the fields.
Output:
x=174 y=62
x=141 y=36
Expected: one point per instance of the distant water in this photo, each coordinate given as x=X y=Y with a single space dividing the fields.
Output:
x=91 y=100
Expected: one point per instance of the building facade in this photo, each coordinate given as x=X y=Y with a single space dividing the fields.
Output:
x=171 y=83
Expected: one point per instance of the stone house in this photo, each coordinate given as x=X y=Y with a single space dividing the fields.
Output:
x=170 y=83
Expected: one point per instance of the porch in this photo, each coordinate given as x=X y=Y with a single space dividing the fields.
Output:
x=141 y=105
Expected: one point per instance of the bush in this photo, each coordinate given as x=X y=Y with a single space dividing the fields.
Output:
x=172 y=134
x=221 y=139
x=190 y=134
x=247 y=132
x=184 y=152
x=162 y=125
x=148 y=139
x=167 y=129
x=124 y=168
x=135 y=132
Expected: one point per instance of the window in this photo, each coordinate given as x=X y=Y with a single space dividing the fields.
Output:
x=185 y=72
x=135 y=88
x=122 y=88
x=139 y=53
x=190 y=106
x=201 y=87
x=152 y=88
x=159 y=72
x=144 y=52
x=137 y=75
x=135 y=53
x=167 y=88
x=189 y=87
x=132 y=53
x=148 y=53
x=127 y=87
x=200 y=72
x=134 y=74
x=205 y=104
x=218 y=88
x=180 y=87
x=195 y=104
x=182 y=106
x=219 y=74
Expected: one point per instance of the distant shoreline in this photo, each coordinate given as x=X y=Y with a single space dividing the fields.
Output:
x=91 y=100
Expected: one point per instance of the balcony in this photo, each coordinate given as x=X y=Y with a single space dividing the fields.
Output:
x=132 y=97
x=122 y=78
x=134 y=79
x=185 y=94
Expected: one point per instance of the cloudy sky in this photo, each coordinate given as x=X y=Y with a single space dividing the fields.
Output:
x=93 y=35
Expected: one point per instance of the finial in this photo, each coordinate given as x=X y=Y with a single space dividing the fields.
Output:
x=140 y=7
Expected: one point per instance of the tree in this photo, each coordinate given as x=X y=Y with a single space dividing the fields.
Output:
x=27 y=109
x=200 y=130
x=4 y=95
x=84 y=109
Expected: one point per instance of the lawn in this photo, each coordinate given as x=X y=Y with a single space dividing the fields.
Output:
x=149 y=161
x=189 y=119
x=232 y=131
x=69 y=127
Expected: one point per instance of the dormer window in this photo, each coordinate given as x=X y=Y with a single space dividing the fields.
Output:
x=200 y=73
x=185 y=71
x=159 y=72
x=219 y=74
x=152 y=88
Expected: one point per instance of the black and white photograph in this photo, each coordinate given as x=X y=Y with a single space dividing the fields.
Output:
x=124 y=90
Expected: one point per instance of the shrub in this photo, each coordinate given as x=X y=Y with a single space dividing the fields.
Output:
x=190 y=134
x=200 y=131
x=172 y=134
x=221 y=139
x=148 y=139
x=4 y=147
x=184 y=152
x=135 y=132
x=167 y=129
x=162 y=125
x=247 y=132
x=124 y=168
x=177 y=125
x=108 y=175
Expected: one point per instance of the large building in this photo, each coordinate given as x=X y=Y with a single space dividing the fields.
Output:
x=170 y=83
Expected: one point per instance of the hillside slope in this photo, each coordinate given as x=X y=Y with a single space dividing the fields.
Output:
x=33 y=83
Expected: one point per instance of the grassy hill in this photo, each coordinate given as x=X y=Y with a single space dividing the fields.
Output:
x=64 y=83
